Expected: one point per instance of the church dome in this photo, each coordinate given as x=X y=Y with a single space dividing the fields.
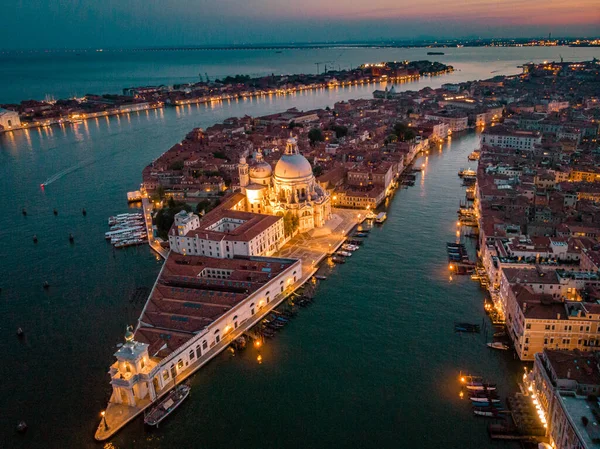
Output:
x=261 y=170
x=292 y=164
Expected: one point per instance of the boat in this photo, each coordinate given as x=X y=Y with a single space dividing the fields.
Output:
x=165 y=407
x=466 y=327
x=474 y=156
x=498 y=345
x=338 y=259
x=485 y=400
x=319 y=277
x=480 y=386
x=466 y=172
x=381 y=217
x=371 y=215
x=488 y=413
x=361 y=234
x=435 y=53
x=343 y=253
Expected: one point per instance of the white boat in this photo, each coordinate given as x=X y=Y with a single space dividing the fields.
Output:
x=344 y=253
x=468 y=172
x=381 y=217
x=165 y=407
x=498 y=345
x=486 y=400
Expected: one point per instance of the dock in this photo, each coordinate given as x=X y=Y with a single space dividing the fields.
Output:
x=154 y=244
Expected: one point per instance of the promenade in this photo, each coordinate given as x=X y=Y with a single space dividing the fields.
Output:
x=311 y=248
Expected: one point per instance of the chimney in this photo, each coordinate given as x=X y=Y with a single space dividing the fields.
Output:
x=558 y=316
x=524 y=307
x=569 y=373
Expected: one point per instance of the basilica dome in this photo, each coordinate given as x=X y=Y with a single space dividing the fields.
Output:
x=262 y=170
x=293 y=166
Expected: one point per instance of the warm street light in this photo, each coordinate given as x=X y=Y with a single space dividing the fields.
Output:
x=103 y=413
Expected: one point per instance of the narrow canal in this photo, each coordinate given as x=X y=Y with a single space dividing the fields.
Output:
x=372 y=363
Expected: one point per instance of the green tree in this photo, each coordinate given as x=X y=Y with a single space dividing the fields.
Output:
x=165 y=217
x=317 y=170
x=315 y=135
x=290 y=223
x=176 y=165
x=404 y=132
x=340 y=131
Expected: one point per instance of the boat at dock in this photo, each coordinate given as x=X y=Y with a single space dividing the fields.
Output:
x=490 y=400
x=466 y=327
x=371 y=215
x=474 y=156
x=480 y=386
x=466 y=172
x=381 y=217
x=165 y=407
x=498 y=345
x=343 y=253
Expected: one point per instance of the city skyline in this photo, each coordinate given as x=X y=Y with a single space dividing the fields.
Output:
x=193 y=22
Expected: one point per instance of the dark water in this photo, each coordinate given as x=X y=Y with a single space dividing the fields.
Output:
x=372 y=363
x=62 y=74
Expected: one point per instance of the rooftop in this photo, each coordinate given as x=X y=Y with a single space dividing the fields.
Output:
x=194 y=291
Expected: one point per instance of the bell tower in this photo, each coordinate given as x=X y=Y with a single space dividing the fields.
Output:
x=243 y=171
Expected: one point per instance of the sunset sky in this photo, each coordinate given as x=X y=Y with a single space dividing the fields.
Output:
x=93 y=23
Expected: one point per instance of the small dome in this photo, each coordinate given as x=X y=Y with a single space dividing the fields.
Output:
x=293 y=166
x=261 y=170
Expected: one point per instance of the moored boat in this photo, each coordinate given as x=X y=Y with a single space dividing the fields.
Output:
x=381 y=217
x=498 y=345
x=165 y=407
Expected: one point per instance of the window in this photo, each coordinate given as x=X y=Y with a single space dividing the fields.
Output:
x=528 y=326
x=165 y=375
x=204 y=344
x=198 y=352
x=191 y=355
x=179 y=364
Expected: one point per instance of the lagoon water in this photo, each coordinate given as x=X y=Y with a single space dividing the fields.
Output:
x=373 y=363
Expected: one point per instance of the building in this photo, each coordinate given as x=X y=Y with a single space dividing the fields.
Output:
x=291 y=189
x=9 y=119
x=560 y=384
x=543 y=310
x=500 y=136
x=194 y=305
x=456 y=120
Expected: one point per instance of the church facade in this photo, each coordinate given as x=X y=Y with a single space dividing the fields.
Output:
x=290 y=187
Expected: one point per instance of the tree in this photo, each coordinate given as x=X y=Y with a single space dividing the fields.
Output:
x=317 y=170
x=340 y=131
x=165 y=217
x=290 y=223
x=404 y=132
x=176 y=165
x=315 y=135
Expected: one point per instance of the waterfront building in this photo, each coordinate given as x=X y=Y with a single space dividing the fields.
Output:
x=9 y=119
x=289 y=189
x=564 y=385
x=456 y=120
x=543 y=308
x=503 y=137
x=195 y=306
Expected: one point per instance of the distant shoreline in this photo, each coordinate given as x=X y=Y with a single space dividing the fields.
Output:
x=530 y=42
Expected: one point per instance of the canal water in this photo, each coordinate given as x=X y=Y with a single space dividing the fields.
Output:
x=374 y=362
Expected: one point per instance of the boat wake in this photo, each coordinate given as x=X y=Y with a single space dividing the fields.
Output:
x=66 y=171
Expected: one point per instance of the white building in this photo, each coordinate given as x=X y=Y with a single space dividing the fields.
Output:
x=9 y=119
x=226 y=233
x=456 y=120
x=500 y=136
x=195 y=306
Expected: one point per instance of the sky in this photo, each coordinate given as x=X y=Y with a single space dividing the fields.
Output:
x=140 y=23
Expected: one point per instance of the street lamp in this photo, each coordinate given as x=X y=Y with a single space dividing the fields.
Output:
x=103 y=413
